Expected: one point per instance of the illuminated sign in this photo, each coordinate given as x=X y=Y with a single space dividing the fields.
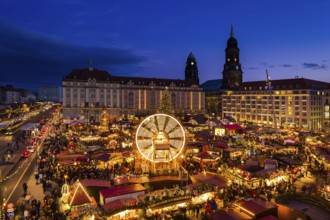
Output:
x=219 y=132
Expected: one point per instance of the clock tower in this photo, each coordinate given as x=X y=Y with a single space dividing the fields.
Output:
x=191 y=71
x=232 y=74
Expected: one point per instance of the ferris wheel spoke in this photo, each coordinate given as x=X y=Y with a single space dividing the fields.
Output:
x=173 y=147
x=149 y=129
x=167 y=119
x=147 y=146
x=144 y=137
x=176 y=138
x=173 y=129
x=156 y=123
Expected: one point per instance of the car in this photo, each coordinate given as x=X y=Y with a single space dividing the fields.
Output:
x=25 y=154
x=30 y=149
x=9 y=133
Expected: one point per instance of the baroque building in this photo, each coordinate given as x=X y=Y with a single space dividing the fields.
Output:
x=87 y=92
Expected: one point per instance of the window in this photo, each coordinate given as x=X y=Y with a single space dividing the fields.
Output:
x=130 y=100
x=153 y=99
x=173 y=100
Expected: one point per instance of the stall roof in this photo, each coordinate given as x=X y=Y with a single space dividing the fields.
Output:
x=29 y=126
x=95 y=183
x=268 y=217
x=206 y=156
x=125 y=180
x=231 y=126
x=118 y=204
x=256 y=206
x=210 y=179
x=122 y=190
x=79 y=196
x=230 y=214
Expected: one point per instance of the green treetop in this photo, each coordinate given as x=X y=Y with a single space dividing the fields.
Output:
x=165 y=106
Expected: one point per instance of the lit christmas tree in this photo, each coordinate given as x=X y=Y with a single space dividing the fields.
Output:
x=104 y=121
x=166 y=104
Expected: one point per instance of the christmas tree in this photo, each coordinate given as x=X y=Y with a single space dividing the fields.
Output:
x=104 y=121
x=165 y=104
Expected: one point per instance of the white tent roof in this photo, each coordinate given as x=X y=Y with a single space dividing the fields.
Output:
x=29 y=126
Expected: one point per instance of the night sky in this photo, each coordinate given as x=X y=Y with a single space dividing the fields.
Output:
x=42 y=41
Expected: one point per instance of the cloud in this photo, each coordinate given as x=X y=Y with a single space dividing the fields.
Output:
x=266 y=65
x=287 y=65
x=27 y=57
x=314 y=66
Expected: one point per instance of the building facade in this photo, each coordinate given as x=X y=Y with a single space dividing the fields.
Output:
x=86 y=92
x=294 y=102
x=326 y=109
x=213 y=91
x=50 y=93
x=9 y=95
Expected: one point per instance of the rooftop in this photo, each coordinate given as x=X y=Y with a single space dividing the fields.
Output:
x=121 y=190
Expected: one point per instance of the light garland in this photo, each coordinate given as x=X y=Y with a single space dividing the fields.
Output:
x=10 y=176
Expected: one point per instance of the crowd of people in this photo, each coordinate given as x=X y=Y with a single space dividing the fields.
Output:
x=52 y=175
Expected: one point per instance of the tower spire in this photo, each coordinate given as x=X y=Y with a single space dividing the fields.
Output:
x=90 y=65
x=232 y=30
x=191 y=71
x=232 y=73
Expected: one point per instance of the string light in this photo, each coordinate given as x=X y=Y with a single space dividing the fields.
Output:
x=16 y=171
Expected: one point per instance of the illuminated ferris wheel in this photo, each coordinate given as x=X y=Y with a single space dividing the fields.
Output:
x=160 y=138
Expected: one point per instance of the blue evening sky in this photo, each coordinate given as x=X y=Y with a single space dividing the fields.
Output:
x=43 y=40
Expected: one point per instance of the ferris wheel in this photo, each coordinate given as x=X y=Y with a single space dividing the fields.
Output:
x=160 y=138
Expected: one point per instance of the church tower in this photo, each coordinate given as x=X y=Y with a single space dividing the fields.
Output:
x=232 y=74
x=191 y=71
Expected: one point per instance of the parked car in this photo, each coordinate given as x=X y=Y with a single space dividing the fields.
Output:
x=30 y=149
x=26 y=154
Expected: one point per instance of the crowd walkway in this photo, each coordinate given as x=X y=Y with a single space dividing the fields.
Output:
x=34 y=189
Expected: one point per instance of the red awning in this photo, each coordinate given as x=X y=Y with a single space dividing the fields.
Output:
x=232 y=126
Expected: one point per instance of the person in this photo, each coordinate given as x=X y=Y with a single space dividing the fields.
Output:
x=26 y=214
x=25 y=187
x=197 y=211
x=8 y=156
x=37 y=178
x=41 y=176
x=204 y=216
